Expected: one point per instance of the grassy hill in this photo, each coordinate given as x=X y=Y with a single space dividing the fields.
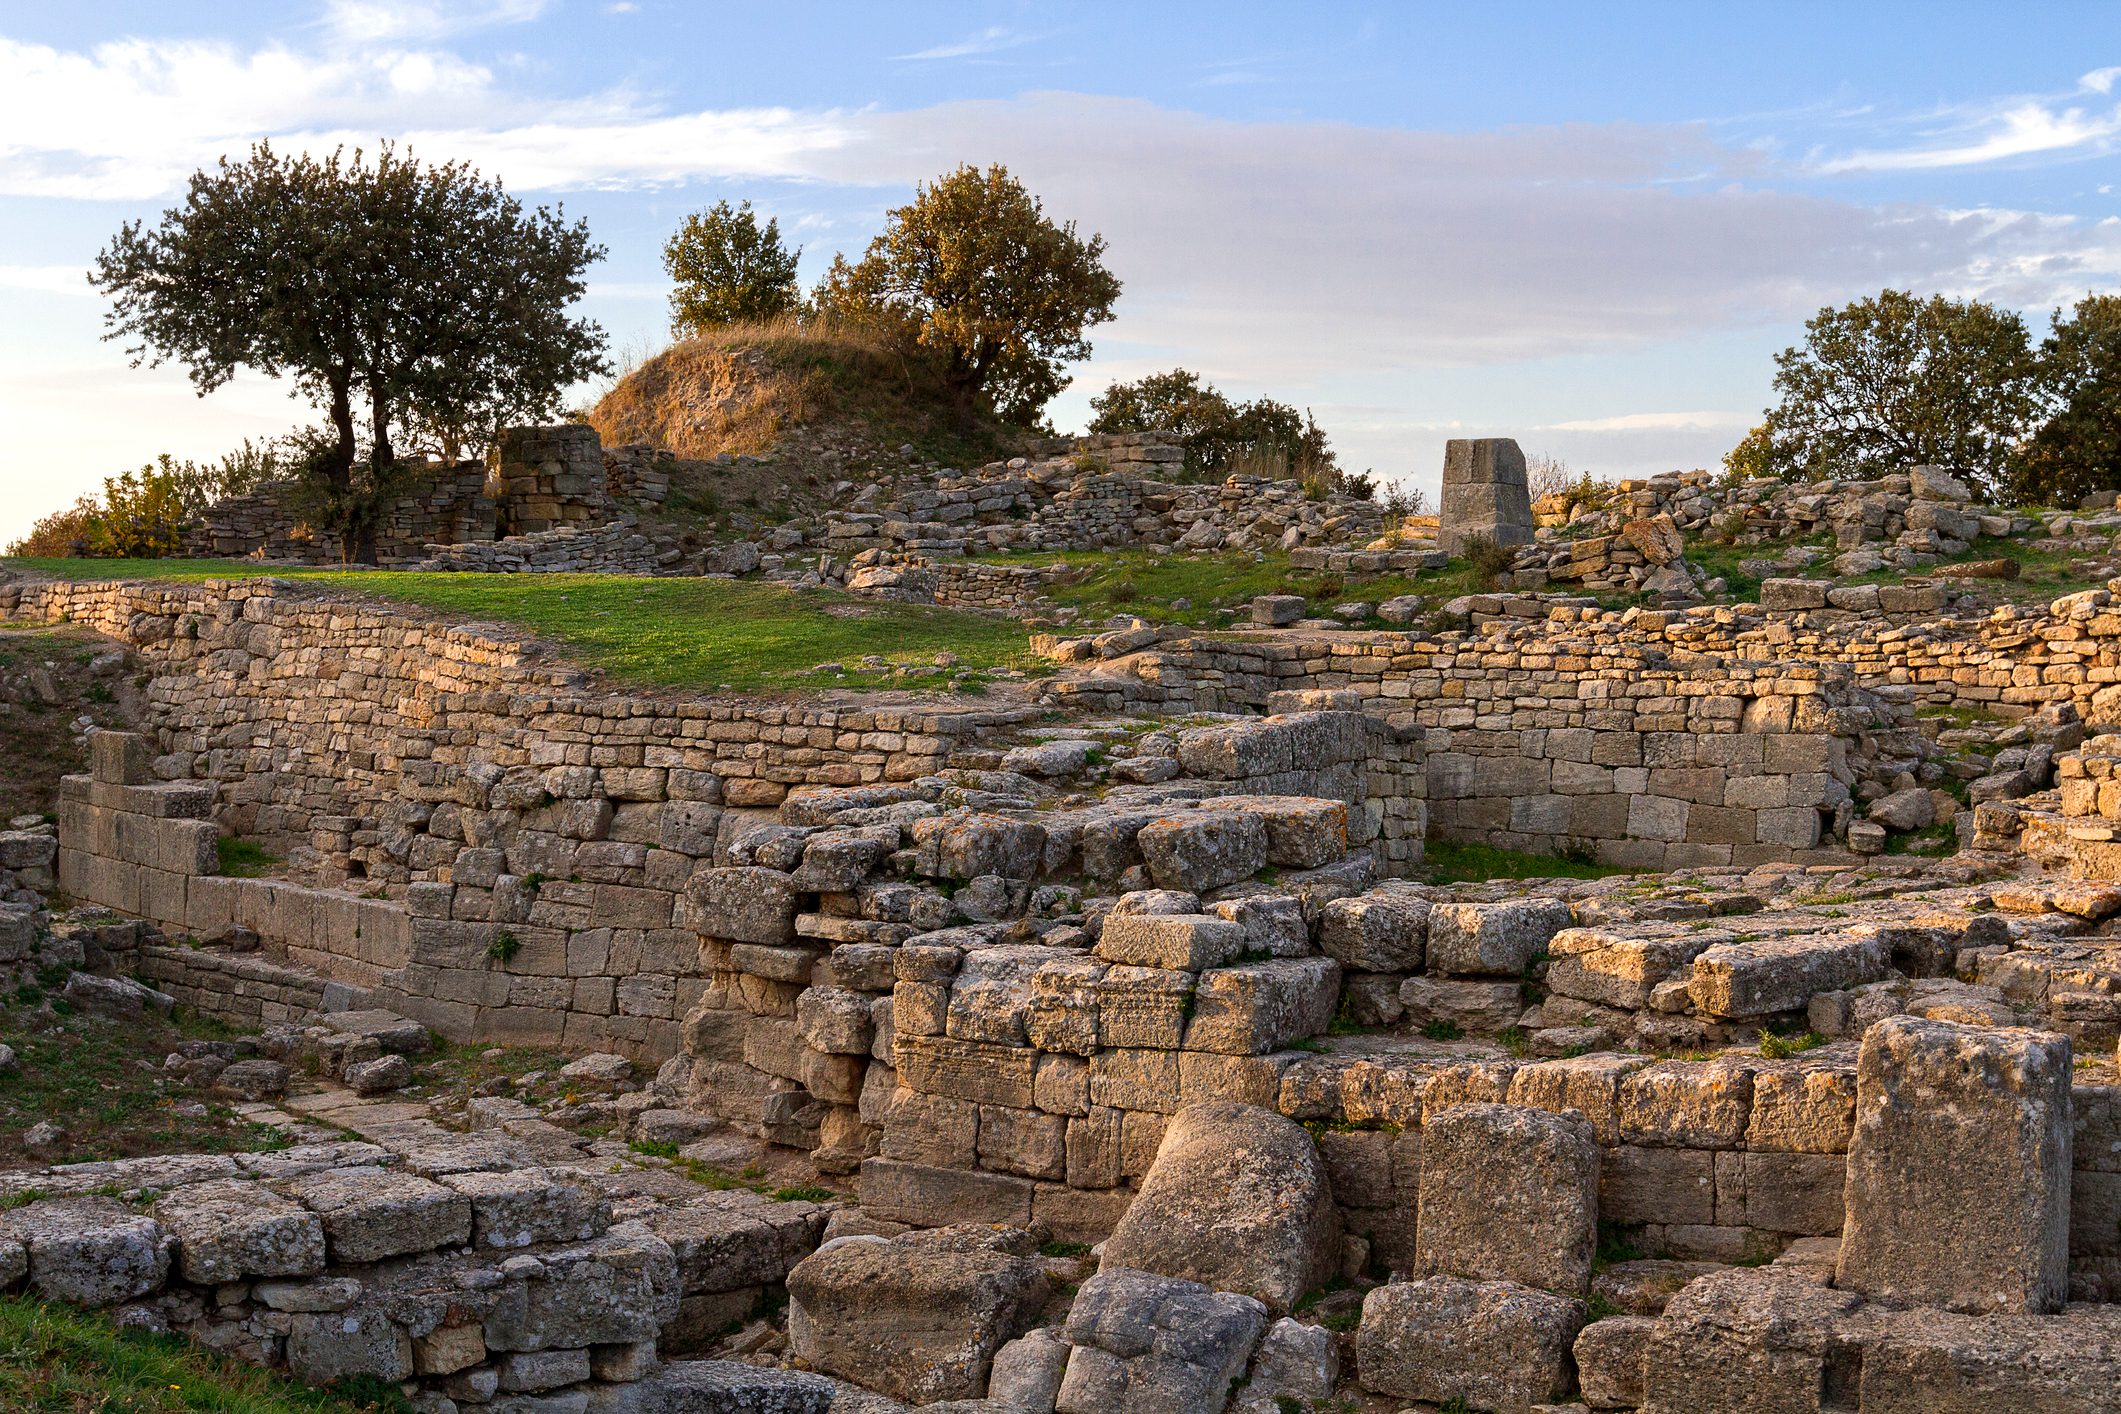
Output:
x=798 y=390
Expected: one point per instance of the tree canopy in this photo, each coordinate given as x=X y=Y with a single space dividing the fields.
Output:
x=1894 y=381
x=1221 y=435
x=423 y=301
x=975 y=272
x=729 y=269
x=2077 y=451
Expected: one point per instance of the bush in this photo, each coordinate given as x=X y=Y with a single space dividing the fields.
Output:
x=1488 y=560
x=143 y=514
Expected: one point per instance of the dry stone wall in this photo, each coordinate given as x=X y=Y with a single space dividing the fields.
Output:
x=1549 y=742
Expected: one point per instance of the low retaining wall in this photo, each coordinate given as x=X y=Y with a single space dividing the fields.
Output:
x=1553 y=743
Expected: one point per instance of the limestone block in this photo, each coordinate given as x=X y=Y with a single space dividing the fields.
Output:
x=372 y=1213
x=924 y=1195
x=1769 y=975
x=1492 y=939
x=1379 y=932
x=347 y=1345
x=1182 y=942
x=1508 y=1194
x=967 y=846
x=1494 y=1345
x=519 y=1209
x=1473 y=1007
x=1146 y=1344
x=917 y=1317
x=1237 y=1199
x=744 y=904
x=231 y=1229
x=91 y=1251
x=1687 y=1104
x=1261 y=1007
x=1144 y=1007
x=1303 y=832
x=1742 y=1341
x=1959 y=1168
x=1609 y=1355
x=1204 y=849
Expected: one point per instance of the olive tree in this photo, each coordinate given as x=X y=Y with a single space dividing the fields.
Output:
x=1894 y=381
x=975 y=272
x=729 y=269
x=2077 y=450
x=413 y=304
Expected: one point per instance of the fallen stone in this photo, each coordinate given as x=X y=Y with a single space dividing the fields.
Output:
x=1145 y=1344
x=1237 y=1200
x=1493 y=1345
x=920 y=1316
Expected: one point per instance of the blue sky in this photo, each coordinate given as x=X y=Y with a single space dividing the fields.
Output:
x=1588 y=227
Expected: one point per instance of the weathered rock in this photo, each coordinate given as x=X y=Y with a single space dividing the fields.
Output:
x=1492 y=939
x=373 y=1213
x=93 y=1251
x=1380 y=932
x=920 y=1316
x=1238 y=1200
x=1204 y=849
x=744 y=904
x=231 y=1230
x=1145 y=1344
x=1295 y=1362
x=1959 y=1170
x=1508 y=1194
x=1494 y=1345
x=375 y=1077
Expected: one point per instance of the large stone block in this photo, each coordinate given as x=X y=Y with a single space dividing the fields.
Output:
x=1508 y=1194
x=229 y=1230
x=744 y=904
x=1485 y=495
x=1381 y=932
x=92 y=1251
x=1769 y=975
x=1147 y=1344
x=1959 y=1170
x=1261 y=1007
x=1180 y=942
x=1204 y=849
x=1492 y=1345
x=1238 y=1199
x=372 y=1213
x=917 y=1317
x=1492 y=939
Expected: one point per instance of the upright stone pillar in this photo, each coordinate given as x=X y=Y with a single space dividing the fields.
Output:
x=1485 y=494
x=1959 y=1171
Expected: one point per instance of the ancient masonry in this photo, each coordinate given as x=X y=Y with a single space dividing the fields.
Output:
x=1139 y=963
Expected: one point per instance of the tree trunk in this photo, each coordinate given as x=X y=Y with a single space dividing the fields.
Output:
x=337 y=468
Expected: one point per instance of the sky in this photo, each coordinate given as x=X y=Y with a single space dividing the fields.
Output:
x=1588 y=227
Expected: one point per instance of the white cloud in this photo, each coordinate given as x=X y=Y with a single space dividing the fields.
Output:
x=421 y=21
x=1659 y=422
x=991 y=40
x=2051 y=126
x=47 y=279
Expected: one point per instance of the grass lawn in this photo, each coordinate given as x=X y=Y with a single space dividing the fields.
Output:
x=100 y=1079
x=58 y=1360
x=1103 y=582
x=711 y=633
x=1454 y=862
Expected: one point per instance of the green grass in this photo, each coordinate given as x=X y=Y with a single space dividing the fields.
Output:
x=1457 y=862
x=58 y=1360
x=243 y=859
x=711 y=633
x=1104 y=582
x=99 y=1078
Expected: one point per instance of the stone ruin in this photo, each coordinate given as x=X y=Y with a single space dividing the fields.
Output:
x=1105 y=1049
x=1484 y=495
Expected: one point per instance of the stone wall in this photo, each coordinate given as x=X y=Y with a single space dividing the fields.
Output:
x=542 y=477
x=1093 y=493
x=448 y=505
x=1547 y=741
